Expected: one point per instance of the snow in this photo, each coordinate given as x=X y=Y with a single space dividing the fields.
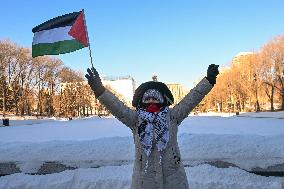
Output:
x=110 y=177
x=106 y=177
x=246 y=151
x=249 y=140
x=279 y=114
x=206 y=176
x=95 y=128
x=232 y=125
x=50 y=130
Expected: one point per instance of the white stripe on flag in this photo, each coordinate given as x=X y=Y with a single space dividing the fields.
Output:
x=52 y=35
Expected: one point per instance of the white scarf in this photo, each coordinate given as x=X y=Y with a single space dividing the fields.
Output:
x=153 y=126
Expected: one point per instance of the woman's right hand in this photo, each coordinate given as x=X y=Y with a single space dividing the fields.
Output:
x=95 y=81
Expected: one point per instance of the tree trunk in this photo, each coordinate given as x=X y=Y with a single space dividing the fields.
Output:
x=4 y=97
x=22 y=97
x=78 y=110
x=49 y=105
x=257 y=107
x=17 y=107
x=60 y=99
x=84 y=110
x=282 y=99
x=271 y=99
x=38 y=100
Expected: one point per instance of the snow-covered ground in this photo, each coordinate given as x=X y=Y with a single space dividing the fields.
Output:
x=248 y=141
x=112 y=177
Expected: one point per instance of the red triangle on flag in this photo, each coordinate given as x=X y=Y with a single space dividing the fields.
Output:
x=79 y=30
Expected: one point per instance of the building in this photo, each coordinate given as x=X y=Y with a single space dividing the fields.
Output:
x=241 y=58
x=178 y=92
x=122 y=87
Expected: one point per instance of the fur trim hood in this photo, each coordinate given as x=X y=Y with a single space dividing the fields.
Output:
x=159 y=86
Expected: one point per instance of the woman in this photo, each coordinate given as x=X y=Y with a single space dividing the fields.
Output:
x=154 y=126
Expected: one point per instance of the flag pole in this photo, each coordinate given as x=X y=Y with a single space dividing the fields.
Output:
x=91 y=55
x=89 y=45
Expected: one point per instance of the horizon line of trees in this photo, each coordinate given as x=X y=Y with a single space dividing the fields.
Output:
x=252 y=82
x=31 y=86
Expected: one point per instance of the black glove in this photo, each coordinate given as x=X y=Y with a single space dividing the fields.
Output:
x=95 y=81
x=212 y=73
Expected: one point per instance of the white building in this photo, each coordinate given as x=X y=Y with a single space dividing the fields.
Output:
x=122 y=85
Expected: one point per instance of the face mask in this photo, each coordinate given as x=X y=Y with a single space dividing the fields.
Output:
x=153 y=107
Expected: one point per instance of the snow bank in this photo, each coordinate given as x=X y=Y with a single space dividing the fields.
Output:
x=102 y=178
x=95 y=128
x=100 y=142
x=52 y=130
x=94 y=142
x=29 y=157
x=278 y=114
x=245 y=151
x=119 y=177
x=208 y=177
x=232 y=125
x=267 y=114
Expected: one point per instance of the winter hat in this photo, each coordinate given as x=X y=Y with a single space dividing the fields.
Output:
x=152 y=93
x=162 y=88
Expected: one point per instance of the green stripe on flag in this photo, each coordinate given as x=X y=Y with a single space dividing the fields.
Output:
x=56 y=48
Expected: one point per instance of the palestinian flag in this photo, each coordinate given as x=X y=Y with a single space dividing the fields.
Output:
x=60 y=35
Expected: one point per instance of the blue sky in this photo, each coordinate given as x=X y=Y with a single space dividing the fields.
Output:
x=177 y=40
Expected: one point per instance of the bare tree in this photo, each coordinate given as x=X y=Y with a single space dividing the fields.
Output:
x=7 y=56
x=278 y=62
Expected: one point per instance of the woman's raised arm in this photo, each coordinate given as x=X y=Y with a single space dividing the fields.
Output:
x=109 y=100
x=180 y=111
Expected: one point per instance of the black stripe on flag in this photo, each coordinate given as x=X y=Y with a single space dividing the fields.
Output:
x=60 y=21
